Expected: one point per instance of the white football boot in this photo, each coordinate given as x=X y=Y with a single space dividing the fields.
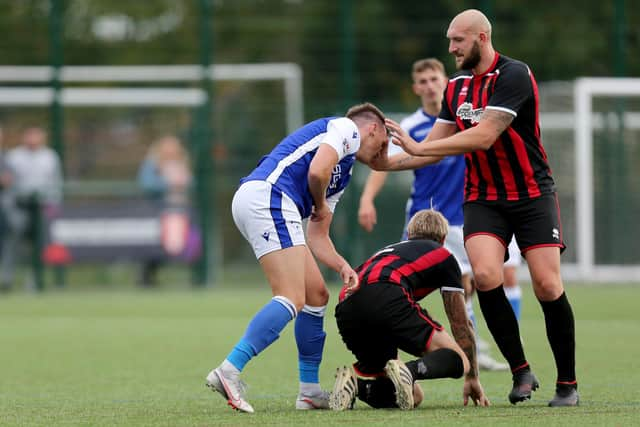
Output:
x=231 y=388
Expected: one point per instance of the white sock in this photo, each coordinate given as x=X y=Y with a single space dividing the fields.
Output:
x=513 y=292
x=309 y=389
x=228 y=368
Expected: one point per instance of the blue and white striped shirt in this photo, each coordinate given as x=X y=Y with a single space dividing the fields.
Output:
x=286 y=167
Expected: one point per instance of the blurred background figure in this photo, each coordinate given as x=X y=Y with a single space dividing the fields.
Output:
x=165 y=177
x=33 y=193
x=5 y=181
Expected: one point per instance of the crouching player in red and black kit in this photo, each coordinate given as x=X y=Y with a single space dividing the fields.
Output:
x=382 y=315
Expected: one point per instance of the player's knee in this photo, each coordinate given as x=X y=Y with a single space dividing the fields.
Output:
x=486 y=278
x=548 y=288
x=323 y=296
x=318 y=297
x=299 y=305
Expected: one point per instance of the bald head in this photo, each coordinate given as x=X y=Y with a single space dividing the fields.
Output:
x=472 y=21
x=469 y=37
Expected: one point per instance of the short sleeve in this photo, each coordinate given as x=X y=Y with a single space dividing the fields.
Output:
x=445 y=111
x=512 y=89
x=343 y=135
x=450 y=276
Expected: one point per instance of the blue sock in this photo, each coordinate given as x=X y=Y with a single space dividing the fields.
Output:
x=264 y=329
x=515 y=305
x=310 y=340
x=514 y=295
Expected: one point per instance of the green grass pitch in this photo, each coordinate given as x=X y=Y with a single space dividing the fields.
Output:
x=103 y=358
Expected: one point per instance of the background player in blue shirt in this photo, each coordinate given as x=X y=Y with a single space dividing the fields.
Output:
x=302 y=177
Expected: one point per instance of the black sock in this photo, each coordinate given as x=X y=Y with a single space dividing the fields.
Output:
x=558 y=318
x=503 y=325
x=377 y=393
x=442 y=363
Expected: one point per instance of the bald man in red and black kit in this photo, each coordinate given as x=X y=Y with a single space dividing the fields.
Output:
x=490 y=113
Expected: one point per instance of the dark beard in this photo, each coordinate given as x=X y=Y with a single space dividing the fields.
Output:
x=473 y=59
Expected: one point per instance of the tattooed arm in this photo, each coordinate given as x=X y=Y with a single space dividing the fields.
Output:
x=461 y=327
x=462 y=331
x=480 y=137
x=406 y=160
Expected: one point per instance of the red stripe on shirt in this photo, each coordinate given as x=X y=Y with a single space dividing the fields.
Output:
x=361 y=271
x=505 y=170
x=422 y=263
x=485 y=172
x=525 y=164
x=381 y=263
x=471 y=179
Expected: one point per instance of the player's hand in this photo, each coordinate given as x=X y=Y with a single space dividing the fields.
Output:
x=367 y=215
x=318 y=213
x=473 y=389
x=402 y=138
x=349 y=278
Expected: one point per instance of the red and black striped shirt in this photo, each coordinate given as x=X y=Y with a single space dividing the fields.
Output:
x=420 y=266
x=515 y=167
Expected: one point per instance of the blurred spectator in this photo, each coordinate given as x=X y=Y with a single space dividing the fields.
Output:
x=165 y=176
x=34 y=190
x=5 y=181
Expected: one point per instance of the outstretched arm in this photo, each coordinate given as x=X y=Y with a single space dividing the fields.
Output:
x=408 y=159
x=480 y=137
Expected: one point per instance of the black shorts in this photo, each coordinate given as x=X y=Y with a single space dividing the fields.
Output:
x=379 y=319
x=534 y=222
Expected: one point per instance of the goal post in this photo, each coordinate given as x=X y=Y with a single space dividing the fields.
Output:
x=145 y=86
x=585 y=90
x=289 y=73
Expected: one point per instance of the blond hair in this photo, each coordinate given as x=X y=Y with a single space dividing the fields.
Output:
x=428 y=224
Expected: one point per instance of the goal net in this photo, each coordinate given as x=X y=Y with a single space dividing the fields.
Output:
x=591 y=131
x=112 y=114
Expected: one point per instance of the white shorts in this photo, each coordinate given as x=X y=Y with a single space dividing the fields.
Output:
x=515 y=259
x=267 y=218
x=454 y=242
